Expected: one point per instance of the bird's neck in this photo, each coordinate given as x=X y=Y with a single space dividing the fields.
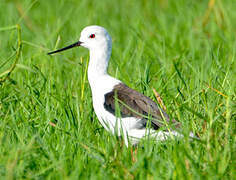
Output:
x=98 y=63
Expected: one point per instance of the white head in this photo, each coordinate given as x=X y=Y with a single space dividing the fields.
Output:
x=95 y=37
x=92 y=37
x=98 y=41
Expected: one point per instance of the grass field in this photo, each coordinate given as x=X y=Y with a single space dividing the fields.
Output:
x=185 y=49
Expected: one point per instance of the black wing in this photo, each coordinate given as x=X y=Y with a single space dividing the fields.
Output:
x=133 y=103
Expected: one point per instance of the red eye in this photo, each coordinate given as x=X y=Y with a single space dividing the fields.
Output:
x=92 y=36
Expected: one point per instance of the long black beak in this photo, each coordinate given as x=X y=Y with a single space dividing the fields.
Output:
x=65 y=48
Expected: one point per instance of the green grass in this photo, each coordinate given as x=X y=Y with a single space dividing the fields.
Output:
x=184 y=49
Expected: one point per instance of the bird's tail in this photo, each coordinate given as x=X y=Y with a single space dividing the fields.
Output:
x=164 y=135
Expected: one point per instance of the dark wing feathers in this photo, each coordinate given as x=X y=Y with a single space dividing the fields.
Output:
x=133 y=103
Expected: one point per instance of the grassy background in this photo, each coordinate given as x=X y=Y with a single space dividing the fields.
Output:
x=184 y=49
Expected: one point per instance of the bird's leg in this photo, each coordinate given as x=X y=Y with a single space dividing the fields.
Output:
x=134 y=153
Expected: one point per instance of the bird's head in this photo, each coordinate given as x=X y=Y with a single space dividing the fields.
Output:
x=91 y=37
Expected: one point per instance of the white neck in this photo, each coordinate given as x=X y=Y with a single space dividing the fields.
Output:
x=98 y=63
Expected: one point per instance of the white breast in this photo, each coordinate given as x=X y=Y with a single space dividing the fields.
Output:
x=100 y=87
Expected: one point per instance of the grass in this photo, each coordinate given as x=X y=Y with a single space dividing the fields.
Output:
x=183 y=49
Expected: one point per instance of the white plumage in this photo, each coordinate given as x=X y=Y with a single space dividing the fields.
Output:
x=133 y=127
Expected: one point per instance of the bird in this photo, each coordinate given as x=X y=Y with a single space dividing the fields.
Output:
x=120 y=109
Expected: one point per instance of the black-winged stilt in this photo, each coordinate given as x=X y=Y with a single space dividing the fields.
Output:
x=110 y=95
